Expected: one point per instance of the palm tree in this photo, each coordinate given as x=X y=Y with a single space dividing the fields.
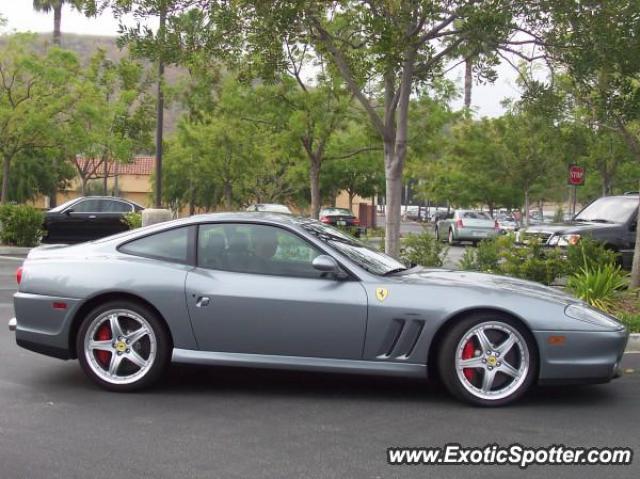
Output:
x=56 y=5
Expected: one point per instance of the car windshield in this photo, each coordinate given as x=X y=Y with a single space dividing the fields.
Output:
x=336 y=212
x=63 y=206
x=609 y=210
x=367 y=258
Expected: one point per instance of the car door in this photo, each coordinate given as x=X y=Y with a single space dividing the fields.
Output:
x=254 y=291
x=76 y=222
x=110 y=220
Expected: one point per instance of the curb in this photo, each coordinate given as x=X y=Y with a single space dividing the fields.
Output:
x=14 y=250
x=633 y=345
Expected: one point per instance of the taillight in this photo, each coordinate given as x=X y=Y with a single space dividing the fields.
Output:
x=19 y=275
x=356 y=221
x=459 y=223
x=325 y=219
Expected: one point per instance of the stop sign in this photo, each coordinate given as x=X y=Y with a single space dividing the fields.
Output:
x=576 y=175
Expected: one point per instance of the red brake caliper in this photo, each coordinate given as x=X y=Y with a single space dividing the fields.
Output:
x=103 y=334
x=467 y=353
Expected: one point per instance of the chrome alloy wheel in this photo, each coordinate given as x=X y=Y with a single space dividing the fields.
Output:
x=492 y=360
x=120 y=346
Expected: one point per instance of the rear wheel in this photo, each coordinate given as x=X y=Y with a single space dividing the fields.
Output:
x=123 y=346
x=488 y=360
x=451 y=239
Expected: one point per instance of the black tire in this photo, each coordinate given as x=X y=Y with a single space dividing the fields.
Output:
x=163 y=345
x=437 y=233
x=446 y=359
x=450 y=238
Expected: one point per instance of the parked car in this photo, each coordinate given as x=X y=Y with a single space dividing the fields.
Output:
x=274 y=291
x=611 y=220
x=466 y=225
x=506 y=223
x=411 y=212
x=87 y=218
x=270 y=208
x=341 y=217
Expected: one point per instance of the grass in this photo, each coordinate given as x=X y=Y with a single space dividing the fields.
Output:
x=627 y=309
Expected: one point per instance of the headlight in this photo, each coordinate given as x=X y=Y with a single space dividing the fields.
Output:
x=590 y=315
x=566 y=240
x=553 y=241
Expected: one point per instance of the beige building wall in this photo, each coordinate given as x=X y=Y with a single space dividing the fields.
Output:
x=342 y=201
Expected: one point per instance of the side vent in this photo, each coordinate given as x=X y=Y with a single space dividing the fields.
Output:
x=401 y=338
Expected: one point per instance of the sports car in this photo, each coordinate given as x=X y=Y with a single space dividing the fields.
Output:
x=266 y=290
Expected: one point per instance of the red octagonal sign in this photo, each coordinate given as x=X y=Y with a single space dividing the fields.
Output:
x=576 y=175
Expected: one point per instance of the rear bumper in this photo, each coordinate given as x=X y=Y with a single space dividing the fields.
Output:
x=584 y=358
x=42 y=328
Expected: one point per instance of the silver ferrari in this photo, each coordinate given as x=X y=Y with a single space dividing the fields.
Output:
x=266 y=290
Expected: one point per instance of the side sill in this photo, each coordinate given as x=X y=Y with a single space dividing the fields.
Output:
x=300 y=363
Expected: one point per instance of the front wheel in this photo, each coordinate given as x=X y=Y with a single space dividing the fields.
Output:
x=450 y=238
x=123 y=346
x=488 y=360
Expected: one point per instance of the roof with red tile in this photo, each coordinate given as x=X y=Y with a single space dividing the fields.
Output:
x=139 y=165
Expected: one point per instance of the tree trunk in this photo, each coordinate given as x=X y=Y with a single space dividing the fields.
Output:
x=228 y=195
x=314 y=183
x=351 y=195
x=6 y=166
x=105 y=186
x=83 y=185
x=57 y=21
x=635 y=267
x=468 y=82
x=526 y=207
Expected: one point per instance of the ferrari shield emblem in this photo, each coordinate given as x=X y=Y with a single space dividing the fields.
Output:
x=381 y=294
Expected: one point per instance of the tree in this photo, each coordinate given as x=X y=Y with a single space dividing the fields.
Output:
x=398 y=45
x=56 y=5
x=605 y=73
x=35 y=91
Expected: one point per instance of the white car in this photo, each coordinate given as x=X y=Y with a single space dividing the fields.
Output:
x=270 y=208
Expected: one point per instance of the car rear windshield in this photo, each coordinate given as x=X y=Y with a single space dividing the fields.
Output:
x=336 y=212
x=612 y=209
x=475 y=215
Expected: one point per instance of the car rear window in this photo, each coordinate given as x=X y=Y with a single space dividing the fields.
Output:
x=169 y=245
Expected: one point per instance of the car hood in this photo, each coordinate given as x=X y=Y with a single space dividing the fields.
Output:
x=481 y=281
x=568 y=228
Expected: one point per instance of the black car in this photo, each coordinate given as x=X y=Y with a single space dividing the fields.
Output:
x=341 y=217
x=87 y=218
x=612 y=220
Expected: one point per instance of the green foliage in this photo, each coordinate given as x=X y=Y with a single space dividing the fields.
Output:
x=423 y=249
x=501 y=255
x=598 y=286
x=133 y=220
x=20 y=225
x=589 y=254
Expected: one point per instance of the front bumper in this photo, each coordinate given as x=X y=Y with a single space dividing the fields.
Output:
x=584 y=357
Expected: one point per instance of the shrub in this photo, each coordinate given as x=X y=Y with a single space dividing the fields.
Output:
x=503 y=256
x=20 y=225
x=598 y=286
x=423 y=249
x=589 y=254
x=133 y=220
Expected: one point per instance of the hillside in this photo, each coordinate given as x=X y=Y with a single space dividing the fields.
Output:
x=86 y=45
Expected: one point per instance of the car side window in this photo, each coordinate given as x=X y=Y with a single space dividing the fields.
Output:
x=87 y=206
x=258 y=249
x=113 y=206
x=169 y=245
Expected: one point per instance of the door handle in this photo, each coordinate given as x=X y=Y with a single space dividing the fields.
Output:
x=203 y=301
x=92 y=217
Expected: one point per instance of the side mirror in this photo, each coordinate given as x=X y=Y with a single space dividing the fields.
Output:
x=68 y=212
x=327 y=264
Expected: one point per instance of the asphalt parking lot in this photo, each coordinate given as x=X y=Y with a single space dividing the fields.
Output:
x=233 y=423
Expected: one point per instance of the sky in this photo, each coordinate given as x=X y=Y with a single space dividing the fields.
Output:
x=21 y=17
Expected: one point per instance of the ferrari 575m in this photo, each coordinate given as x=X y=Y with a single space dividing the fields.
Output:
x=266 y=290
